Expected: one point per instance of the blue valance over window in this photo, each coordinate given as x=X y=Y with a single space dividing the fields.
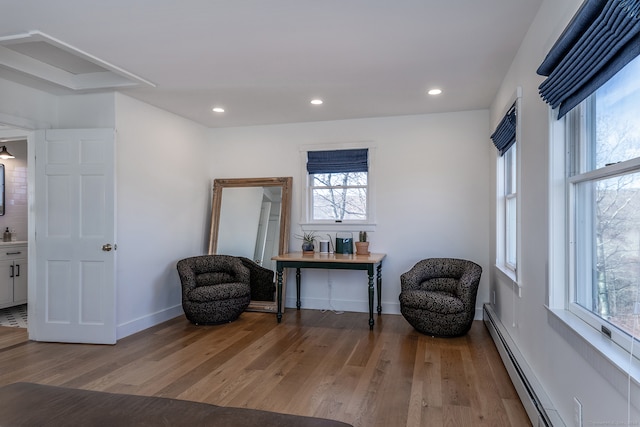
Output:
x=355 y=160
x=505 y=134
x=600 y=40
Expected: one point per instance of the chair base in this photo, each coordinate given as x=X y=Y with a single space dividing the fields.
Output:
x=437 y=324
x=215 y=312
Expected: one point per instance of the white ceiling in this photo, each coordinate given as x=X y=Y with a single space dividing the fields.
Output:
x=264 y=60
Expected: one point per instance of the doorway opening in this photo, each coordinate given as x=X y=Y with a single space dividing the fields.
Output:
x=15 y=189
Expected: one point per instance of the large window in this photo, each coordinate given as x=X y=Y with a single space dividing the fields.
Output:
x=603 y=190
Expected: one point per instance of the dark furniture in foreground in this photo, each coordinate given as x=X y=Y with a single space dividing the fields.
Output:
x=263 y=287
x=215 y=288
x=28 y=404
x=334 y=261
x=438 y=296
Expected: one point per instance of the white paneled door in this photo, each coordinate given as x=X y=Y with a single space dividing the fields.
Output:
x=74 y=288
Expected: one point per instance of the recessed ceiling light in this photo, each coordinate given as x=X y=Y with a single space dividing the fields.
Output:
x=218 y=110
x=434 y=91
x=316 y=101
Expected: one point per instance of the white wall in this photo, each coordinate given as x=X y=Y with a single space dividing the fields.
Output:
x=95 y=110
x=163 y=196
x=432 y=191
x=564 y=371
x=28 y=108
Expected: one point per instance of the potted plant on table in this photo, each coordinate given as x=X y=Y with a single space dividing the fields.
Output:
x=362 y=246
x=308 y=239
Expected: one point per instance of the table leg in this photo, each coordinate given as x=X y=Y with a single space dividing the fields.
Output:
x=298 y=289
x=370 y=299
x=379 y=283
x=279 y=281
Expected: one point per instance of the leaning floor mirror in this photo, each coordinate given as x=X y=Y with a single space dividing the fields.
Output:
x=250 y=219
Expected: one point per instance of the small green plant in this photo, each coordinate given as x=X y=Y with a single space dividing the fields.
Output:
x=363 y=236
x=307 y=237
x=307 y=241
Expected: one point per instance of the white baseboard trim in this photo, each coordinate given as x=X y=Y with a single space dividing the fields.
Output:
x=142 y=323
x=539 y=407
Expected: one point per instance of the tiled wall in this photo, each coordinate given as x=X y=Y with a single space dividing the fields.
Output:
x=16 y=197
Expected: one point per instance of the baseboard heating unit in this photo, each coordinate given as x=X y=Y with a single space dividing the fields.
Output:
x=539 y=408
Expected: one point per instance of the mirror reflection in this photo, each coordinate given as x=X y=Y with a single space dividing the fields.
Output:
x=250 y=223
x=250 y=219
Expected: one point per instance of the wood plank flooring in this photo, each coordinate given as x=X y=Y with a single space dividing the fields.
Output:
x=314 y=363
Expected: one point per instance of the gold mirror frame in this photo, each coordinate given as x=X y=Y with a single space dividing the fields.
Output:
x=285 y=212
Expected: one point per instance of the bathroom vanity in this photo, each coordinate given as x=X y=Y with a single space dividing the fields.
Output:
x=13 y=273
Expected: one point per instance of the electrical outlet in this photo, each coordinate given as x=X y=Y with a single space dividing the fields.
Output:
x=636 y=308
x=577 y=412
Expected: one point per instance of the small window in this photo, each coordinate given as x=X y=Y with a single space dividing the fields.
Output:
x=338 y=186
x=510 y=208
x=507 y=212
x=505 y=139
x=339 y=196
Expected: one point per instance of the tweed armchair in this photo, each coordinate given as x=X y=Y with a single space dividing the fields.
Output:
x=215 y=288
x=438 y=296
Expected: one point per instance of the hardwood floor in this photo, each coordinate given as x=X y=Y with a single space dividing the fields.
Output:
x=314 y=363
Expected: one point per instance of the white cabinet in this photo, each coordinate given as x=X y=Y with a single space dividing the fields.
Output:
x=13 y=274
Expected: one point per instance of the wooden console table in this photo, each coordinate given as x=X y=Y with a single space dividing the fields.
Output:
x=299 y=260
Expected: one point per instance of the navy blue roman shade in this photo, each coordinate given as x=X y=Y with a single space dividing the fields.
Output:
x=333 y=161
x=505 y=134
x=600 y=40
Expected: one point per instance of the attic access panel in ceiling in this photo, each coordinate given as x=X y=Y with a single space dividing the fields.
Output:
x=42 y=57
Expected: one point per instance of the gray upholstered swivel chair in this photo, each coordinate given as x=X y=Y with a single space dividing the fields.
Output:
x=215 y=288
x=438 y=295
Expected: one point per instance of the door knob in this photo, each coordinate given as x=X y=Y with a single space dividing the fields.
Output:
x=106 y=247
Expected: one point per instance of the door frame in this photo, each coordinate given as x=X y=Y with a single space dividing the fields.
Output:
x=26 y=128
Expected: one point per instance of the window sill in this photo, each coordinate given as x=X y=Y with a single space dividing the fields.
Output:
x=507 y=275
x=610 y=360
x=337 y=226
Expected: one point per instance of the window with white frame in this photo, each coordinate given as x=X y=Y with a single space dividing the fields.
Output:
x=510 y=208
x=593 y=88
x=338 y=189
x=505 y=140
x=603 y=193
